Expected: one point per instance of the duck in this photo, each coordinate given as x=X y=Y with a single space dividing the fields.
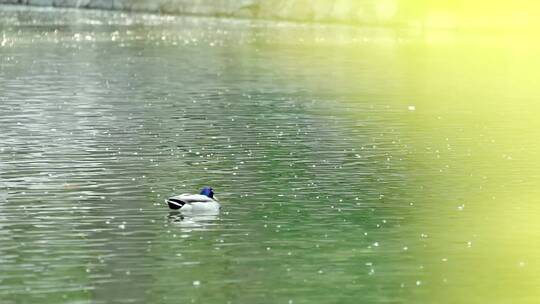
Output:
x=204 y=202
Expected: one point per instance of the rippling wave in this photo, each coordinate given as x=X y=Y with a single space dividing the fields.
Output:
x=353 y=165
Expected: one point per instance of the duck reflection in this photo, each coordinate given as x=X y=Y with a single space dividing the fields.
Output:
x=191 y=222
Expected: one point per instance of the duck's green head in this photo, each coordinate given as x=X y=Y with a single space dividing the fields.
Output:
x=208 y=192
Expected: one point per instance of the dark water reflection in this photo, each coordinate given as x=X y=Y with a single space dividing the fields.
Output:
x=333 y=186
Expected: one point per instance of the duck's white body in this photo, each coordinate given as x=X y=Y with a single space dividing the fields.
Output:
x=193 y=203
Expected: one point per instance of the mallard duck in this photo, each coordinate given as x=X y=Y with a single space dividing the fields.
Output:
x=203 y=202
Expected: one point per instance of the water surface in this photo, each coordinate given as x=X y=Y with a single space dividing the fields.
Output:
x=353 y=164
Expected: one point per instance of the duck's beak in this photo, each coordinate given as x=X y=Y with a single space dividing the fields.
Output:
x=215 y=198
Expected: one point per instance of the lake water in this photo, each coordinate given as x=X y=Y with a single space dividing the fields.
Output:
x=354 y=165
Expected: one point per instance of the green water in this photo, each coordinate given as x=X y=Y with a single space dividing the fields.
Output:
x=354 y=165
